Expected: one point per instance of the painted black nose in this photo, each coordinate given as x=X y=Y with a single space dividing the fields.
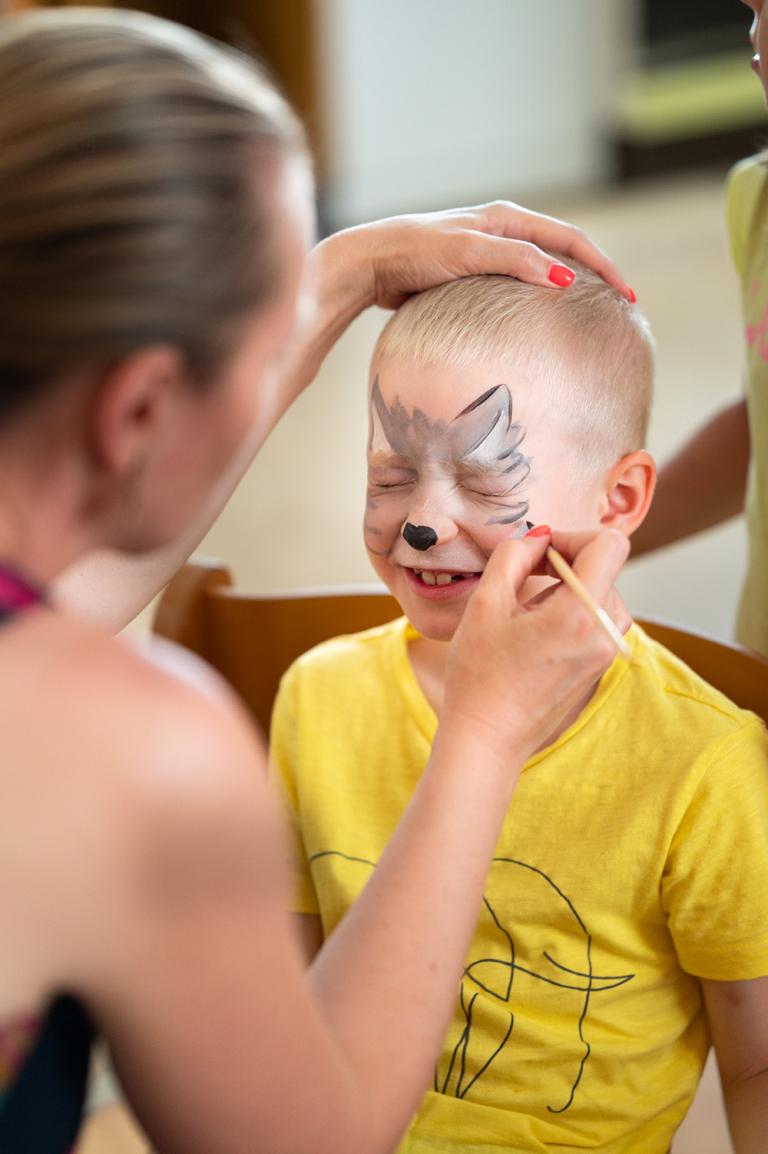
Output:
x=419 y=537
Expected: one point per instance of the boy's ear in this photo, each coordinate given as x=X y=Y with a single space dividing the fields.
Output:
x=628 y=492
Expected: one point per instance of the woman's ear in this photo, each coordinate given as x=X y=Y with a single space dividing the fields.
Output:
x=134 y=403
x=629 y=487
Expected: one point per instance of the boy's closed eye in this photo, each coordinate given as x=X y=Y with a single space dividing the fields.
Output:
x=478 y=489
x=484 y=483
x=390 y=478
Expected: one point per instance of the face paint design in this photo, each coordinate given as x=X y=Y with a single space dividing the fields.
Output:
x=419 y=537
x=427 y=471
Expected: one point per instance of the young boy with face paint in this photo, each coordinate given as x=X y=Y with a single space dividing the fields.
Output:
x=625 y=917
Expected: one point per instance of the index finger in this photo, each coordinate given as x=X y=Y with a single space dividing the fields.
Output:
x=548 y=232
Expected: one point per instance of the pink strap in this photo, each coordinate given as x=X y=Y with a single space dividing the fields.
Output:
x=15 y=593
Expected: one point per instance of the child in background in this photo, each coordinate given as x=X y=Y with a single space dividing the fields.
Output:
x=625 y=917
x=723 y=467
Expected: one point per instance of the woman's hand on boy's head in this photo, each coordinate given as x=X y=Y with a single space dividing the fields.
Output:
x=516 y=670
x=407 y=254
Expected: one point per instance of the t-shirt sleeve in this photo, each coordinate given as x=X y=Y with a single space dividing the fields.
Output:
x=284 y=747
x=744 y=186
x=715 y=886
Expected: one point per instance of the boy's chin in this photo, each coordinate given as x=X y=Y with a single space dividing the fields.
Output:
x=440 y=635
x=433 y=627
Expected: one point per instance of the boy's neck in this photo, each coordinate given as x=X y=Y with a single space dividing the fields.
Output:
x=428 y=661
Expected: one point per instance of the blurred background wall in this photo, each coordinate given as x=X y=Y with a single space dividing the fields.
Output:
x=622 y=115
x=434 y=103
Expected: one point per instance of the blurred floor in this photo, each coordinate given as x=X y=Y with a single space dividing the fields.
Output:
x=295 y=520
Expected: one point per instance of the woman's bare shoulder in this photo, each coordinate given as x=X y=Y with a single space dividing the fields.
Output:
x=78 y=679
x=129 y=771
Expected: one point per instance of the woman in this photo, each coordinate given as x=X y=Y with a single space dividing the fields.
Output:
x=154 y=221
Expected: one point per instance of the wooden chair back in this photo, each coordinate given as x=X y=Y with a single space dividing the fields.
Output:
x=739 y=673
x=251 y=639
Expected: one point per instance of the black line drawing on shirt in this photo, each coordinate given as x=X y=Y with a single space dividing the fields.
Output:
x=524 y=949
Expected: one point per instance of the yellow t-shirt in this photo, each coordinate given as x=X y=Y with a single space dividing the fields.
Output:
x=747 y=212
x=633 y=857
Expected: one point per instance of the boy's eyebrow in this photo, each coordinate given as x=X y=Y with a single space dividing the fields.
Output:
x=382 y=457
x=483 y=439
x=480 y=468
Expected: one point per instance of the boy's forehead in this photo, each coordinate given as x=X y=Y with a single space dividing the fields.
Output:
x=441 y=390
x=482 y=435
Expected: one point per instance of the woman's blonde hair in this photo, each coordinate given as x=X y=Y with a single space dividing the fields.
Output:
x=135 y=203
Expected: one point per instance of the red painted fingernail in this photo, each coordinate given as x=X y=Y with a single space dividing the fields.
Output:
x=561 y=275
x=631 y=296
x=539 y=531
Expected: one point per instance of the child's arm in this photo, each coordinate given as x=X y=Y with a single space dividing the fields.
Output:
x=738 y=1019
x=702 y=484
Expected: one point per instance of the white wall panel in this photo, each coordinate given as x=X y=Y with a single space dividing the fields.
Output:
x=432 y=102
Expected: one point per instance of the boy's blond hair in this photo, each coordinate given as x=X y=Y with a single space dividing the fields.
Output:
x=585 y=347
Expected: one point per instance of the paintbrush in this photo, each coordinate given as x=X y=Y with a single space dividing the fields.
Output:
x=579 y=589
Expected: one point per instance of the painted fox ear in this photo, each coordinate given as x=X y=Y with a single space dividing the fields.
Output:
x=378 y=440
x=483 y=432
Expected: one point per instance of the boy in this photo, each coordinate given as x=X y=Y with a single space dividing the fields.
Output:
x=625 y=917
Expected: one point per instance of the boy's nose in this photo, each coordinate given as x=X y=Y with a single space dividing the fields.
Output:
x=421 y=537
x=429 y=519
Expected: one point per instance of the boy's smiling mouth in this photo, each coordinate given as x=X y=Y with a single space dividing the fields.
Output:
x=442 y=576
x=441 y=584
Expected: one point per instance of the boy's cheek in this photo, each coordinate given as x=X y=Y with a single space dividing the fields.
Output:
x=382 y=522
x=386 y=572
x=489 y=537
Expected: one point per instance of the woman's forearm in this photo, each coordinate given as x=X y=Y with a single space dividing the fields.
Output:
x=404 y=941
x=341 y=278
x=702 y=484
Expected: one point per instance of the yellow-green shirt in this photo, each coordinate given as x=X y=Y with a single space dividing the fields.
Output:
x=633 y=858
x=747 y=213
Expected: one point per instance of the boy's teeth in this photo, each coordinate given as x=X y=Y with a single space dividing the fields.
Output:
x=434 y=578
